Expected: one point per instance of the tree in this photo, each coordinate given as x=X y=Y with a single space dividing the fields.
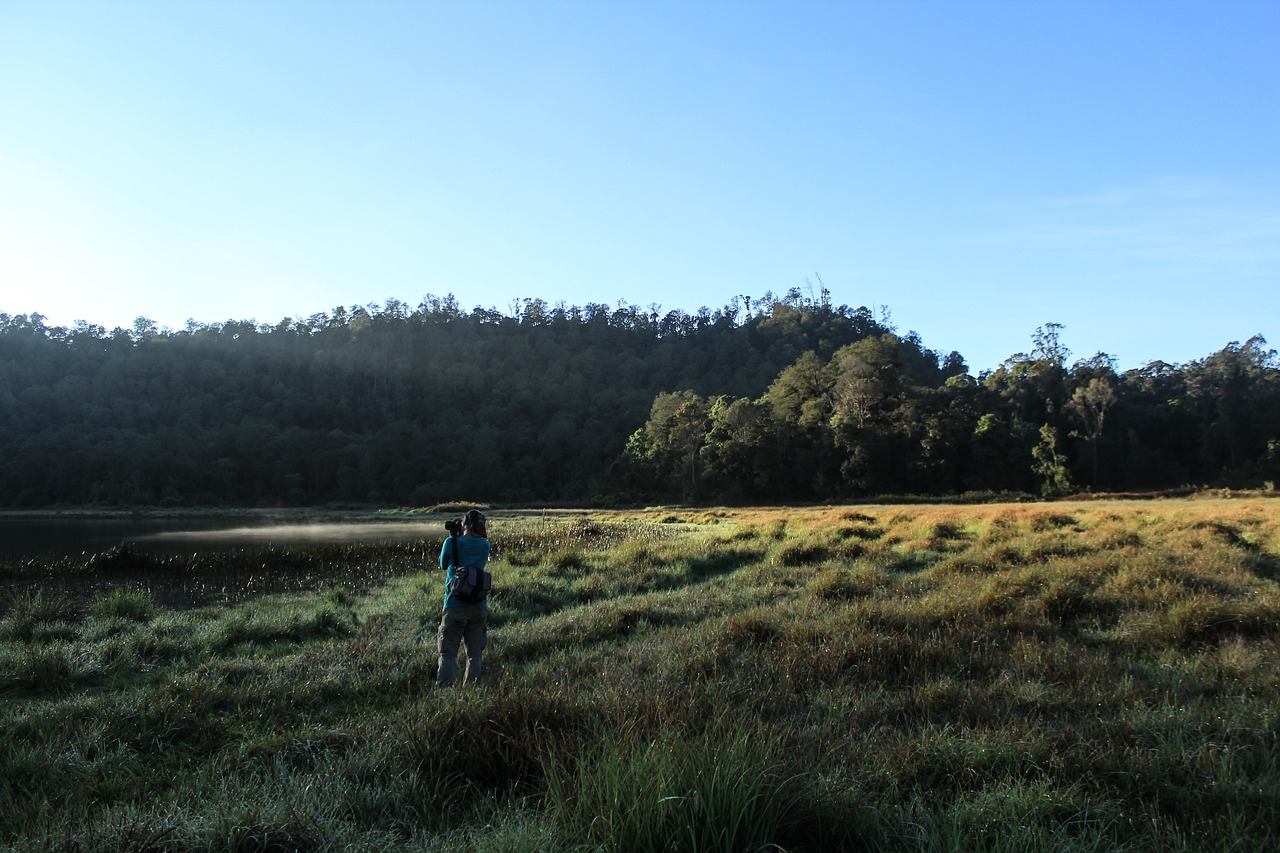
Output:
x=803 y=393
x=876 y=413
x=1028 y=392
x=1051 y=465
x=1090 y=404
x=1237 y=397
x=742 y=456
x=669 y=441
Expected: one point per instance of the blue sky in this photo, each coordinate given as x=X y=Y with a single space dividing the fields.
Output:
x=978 y=168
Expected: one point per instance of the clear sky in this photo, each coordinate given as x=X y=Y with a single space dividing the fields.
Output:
x=979 y=168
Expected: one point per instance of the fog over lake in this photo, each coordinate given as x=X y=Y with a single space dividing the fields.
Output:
x=38 y=535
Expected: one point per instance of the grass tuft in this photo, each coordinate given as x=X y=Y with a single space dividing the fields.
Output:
x=725 y=788
x=134 y=605
x=31 y=613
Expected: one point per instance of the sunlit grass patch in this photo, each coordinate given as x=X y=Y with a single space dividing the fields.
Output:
x=775 y=530
x=773 y=576
x=566 y=558
x=802 y=553
x=1052 y=592
x=854 y=515
x=1115 y=538
x=1194 y=618
x=1237 y=660
x=1011 y=591
x=937 y=524
x=1040 y=522
x=528 y=599
x=522 y=556
x=1224 y=533
x=977 y=561
x=746 y=532
x=858 y=532
x=716 y=557
x=582 y=626
x=1161 y=578
x=633 y=554
x=841 y=582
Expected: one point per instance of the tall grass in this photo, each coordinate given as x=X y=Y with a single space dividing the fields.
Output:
x=1070 y=676
x=724 y=788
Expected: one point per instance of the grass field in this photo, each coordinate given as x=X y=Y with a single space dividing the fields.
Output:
x=1089 y=676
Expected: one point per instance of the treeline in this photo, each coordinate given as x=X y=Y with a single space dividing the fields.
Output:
x=880 y=418
x=386 y=404
x=771 y=399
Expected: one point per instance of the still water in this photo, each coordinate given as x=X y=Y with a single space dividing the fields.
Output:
x=38 y=535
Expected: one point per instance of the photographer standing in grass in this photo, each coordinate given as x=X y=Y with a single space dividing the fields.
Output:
x=462 y=621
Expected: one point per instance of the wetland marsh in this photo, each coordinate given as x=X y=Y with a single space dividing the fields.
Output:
x=1062 y=676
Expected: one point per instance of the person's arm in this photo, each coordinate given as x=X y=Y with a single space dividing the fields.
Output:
x=444 y=554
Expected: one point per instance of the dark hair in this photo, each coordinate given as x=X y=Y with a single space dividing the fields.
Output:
x=474 y=521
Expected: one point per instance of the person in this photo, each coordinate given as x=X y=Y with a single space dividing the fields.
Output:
x=463 y=623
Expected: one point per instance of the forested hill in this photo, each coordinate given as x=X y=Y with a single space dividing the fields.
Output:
x=391 y=405
x=790 y=399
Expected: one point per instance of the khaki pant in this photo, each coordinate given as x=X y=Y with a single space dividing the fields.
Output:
x=466 y=624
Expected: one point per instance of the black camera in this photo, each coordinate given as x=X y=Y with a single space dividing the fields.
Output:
x=454 y=526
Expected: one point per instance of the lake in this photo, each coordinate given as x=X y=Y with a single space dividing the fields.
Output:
x=54 y=535
x=96 y=563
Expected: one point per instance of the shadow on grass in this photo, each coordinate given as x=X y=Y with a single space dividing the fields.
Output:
x=722 y=562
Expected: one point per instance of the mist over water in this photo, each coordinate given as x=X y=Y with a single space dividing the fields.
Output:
x=298 y=534
x=51 y=537
x=193 y=561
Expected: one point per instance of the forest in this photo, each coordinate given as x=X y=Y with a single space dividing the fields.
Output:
x=773 y=399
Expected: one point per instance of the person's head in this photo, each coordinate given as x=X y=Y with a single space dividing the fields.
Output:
x=473 y=524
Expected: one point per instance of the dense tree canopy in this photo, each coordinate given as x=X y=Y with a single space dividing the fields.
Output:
x=785 y=398
x=883 y=416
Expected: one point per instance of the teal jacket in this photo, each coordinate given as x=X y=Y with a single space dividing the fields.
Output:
x=472 y=551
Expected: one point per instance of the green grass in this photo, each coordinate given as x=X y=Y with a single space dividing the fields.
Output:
x=1096 y=676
